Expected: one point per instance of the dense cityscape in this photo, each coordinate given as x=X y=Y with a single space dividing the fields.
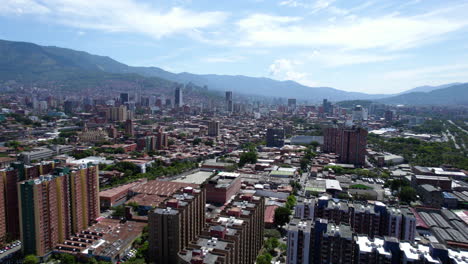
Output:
x=142 y=178
x=233 y=132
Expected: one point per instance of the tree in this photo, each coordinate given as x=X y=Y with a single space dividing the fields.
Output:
x=282 y=216
x=264 y=259
x=271 y=244
x=272 y=233
x=30 y=259
x=196 y=141
x=407 y=194
x=248 y=157
x=290 y=202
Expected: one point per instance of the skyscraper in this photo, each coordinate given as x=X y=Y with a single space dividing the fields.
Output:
x=229 y=103
x=124 y=98
x=291 y=104
x=178 y=102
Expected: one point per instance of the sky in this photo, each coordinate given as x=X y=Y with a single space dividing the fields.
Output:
x=372 y=46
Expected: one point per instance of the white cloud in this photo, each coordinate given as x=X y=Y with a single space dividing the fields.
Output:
x=285 y=69
x=116 y=16
x=392 y=32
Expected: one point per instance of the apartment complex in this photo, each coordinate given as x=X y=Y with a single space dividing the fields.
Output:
x=55 y=205
x=325 y=242
x=348 y=142
x=175 y=223
x=235 y=236
x=371 y=219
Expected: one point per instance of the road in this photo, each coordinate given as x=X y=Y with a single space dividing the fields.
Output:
x=451 y=122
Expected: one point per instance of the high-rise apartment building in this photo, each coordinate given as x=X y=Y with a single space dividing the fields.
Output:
x=373 y=220
x=348 y=143
x=299 y=237
x=44 y=214
x=235 y=236
x=3 y=230
x=129 y=129
x=84 y=200
x=213 y=128
x=11 y=176
x=117 y=113
x=178 y=101
x=174 y=224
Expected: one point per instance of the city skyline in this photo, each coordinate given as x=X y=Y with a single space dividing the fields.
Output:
x=361 y=46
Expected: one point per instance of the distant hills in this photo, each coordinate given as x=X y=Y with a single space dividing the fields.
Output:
x=428 y=88
x=22 y=61
x=452 y=95
x=28 y=62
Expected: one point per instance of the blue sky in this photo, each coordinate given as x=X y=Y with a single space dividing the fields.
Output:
x=374 y=46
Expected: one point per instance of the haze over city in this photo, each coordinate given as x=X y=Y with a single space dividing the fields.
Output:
x=361 y=46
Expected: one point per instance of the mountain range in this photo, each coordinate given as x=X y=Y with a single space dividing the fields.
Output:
x=22 y=61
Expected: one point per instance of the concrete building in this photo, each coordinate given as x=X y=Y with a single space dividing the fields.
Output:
x=178 y=101
x=213 y=129
x=300 y=236
x=348 y=143
x=275 y=137
x=222 y=187
x=44 y=216
x=174 y=224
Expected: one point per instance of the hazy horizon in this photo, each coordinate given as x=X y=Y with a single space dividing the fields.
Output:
x=359 y=46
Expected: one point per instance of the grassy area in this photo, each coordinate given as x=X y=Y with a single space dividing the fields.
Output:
x=360 y=187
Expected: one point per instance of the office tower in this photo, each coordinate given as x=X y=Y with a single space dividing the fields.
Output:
x=327 y=107
x=275 y=137
x=213 y=128
x=348 y=143
x=84 y=200
x=299 y=238
x=229 y=102
x=178 y=101
x=129 y=130
x=68 y=107
x=359 y=114
x=44 y=217
x=124 y=98
x=291 y=104
x=389 y=115
x=174 y=224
